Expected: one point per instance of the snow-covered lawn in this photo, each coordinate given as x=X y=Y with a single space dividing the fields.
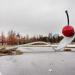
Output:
x=49 y=63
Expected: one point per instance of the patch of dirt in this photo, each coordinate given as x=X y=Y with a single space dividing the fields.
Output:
x=67 y=49
x=4 y=52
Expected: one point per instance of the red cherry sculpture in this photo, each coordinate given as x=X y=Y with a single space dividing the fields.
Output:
x=68 y=31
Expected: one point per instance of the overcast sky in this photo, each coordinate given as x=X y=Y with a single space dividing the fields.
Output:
x=35 y=17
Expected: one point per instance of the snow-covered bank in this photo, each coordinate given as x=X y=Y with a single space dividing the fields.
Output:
x=40 y=49
x=44 y=44
x=35 y=49
x=60 y=63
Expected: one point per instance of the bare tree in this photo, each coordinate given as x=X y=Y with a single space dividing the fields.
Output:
x=3 y=38
x=12 y=39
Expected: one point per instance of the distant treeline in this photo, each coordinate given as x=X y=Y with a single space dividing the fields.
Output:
x=14 y=39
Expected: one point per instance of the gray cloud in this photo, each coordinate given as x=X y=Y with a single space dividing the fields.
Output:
x=35 y=16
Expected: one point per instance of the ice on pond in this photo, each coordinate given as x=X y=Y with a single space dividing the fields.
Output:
x=49 y=63
x=0 y=73
x=50 y=70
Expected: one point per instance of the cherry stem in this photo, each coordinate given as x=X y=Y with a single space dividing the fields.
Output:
x=67 y=17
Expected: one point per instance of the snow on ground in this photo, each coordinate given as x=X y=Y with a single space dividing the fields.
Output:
x=40 y=49
x=35 y=49
x=49 y=63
